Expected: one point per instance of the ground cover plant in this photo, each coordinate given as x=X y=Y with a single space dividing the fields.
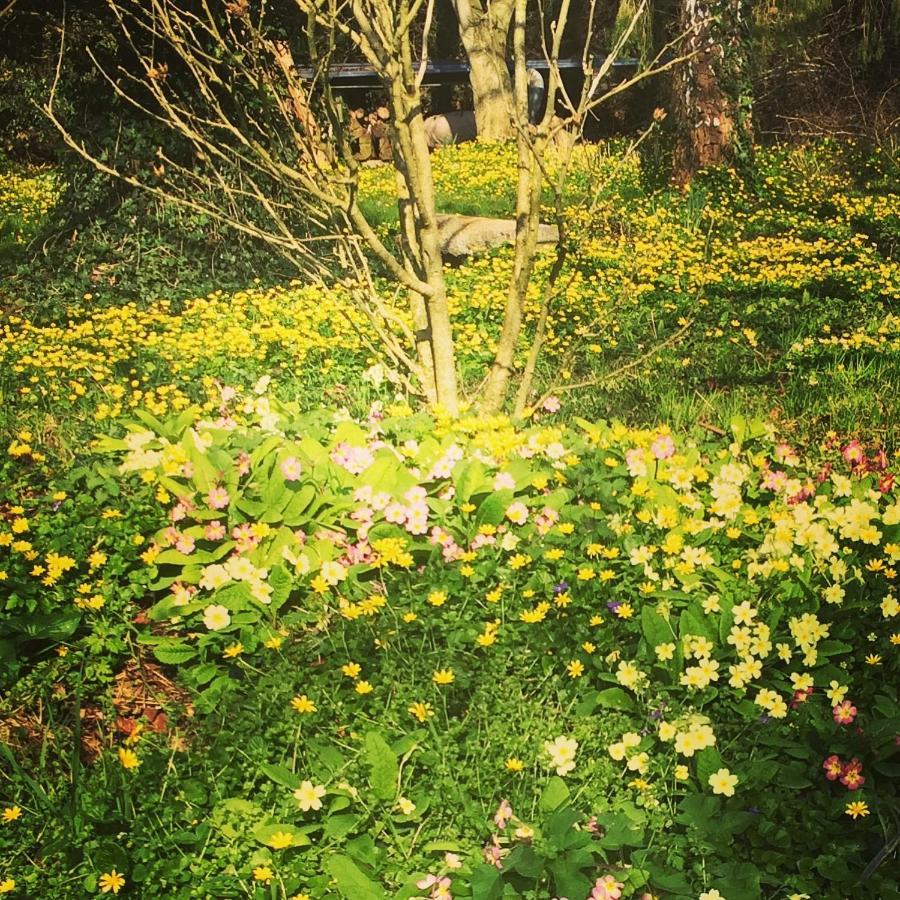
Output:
x=269 y=631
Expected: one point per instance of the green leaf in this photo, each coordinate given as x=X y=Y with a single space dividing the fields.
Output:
x=384 y=765
x=739 y=881
x=174 y=652
x=698 y=624
x=554 y=794
x=708 y=763
x=525 y=861
x=614 y=698
x=280 y=775
x=493 y=508
x=293 y=515
x=338 y=827
x=470 y=478
x=281 y=583
x=351 y=882
x=53 y=627
x=568 y=879
x=587 y=704
x=655 y=628
x=486 y=883
x=559 y=825
x=669 y=880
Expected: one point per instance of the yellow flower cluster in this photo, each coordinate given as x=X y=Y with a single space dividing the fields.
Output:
x=135 y=357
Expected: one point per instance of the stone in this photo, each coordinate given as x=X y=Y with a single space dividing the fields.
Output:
x=465 y=235
x=454 y=127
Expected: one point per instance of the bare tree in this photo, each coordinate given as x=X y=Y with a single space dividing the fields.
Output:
x=271 y=157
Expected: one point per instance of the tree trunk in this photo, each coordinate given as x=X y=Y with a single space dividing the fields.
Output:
x=589 y=19
x=706 y=100
x=422 y=248
x=484 y=33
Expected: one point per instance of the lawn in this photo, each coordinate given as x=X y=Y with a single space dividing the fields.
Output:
x=271 y=630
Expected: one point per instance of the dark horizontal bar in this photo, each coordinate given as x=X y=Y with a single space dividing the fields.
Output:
x=350 y=75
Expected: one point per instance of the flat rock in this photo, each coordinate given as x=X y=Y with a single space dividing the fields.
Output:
x=465 y=235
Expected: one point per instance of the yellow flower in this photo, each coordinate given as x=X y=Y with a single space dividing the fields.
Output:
x=682 y=773
x=128 y=758
x=364 y=687
x=421 y=711
x=407 y=807
x=11 y=813
x=665 y=651
x=319 y=585
x=857 y=808
x=302 y=704
x=111 y=882
x=7 y=886
x=437 y=598
x=443 y=676
x=263 y=874
x=309 y=796
x=514 y=764
x=233 y=650
x=723 y=782
x=575 y=668
x=280 y=840
x=351 y=669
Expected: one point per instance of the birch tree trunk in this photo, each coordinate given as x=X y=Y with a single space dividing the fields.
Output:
x=484 y=31
x=705 y=95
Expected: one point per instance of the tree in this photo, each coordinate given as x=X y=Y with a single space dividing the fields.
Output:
x=710 y=90
x=271 y=157
x=484 y=31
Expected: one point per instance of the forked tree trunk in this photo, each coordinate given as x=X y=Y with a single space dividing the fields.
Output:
x=703 y=96
x=484 y=31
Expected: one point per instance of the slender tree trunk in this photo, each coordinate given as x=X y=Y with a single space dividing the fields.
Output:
x=530 y=149
x=704 y=97
x=484 y=31
x=422 y=249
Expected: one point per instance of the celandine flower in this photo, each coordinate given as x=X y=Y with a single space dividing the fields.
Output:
x=111 y=882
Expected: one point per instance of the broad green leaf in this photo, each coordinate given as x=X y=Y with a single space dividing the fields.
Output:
x=469 y=478
x=281 y=583
x=554 y=794
x=614 y=698
x=280 y=775
x=338 y=827
x=174 y=653
x=351 y=881
x=384 y=766
x=655 y=628
x=708 y=763
x=493 y=508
